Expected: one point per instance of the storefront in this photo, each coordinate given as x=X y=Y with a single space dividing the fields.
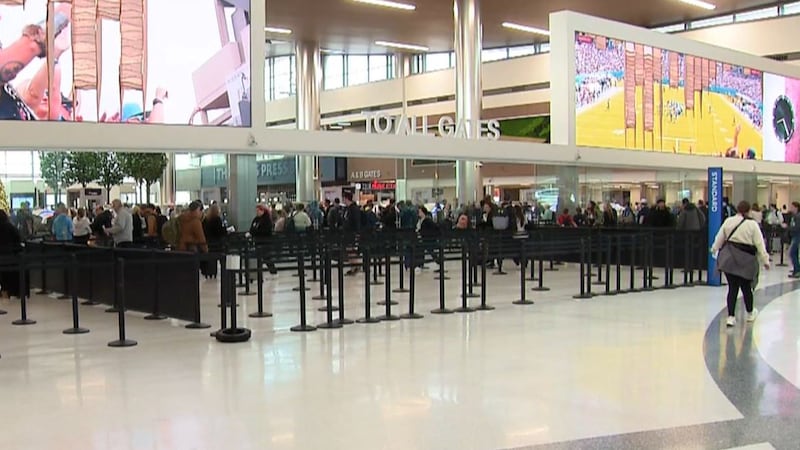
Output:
x=373 y=179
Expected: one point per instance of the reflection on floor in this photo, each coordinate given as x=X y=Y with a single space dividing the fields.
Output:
x=648 y=370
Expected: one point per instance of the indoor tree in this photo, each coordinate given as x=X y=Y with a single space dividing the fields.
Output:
x=145 y=168
x=4 y=205
x=83 y=167
x=53 y=166
x=110 y=172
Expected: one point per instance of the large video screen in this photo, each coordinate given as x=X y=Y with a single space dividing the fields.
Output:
x=633 y=96
x=132 y=61
x=781 y=101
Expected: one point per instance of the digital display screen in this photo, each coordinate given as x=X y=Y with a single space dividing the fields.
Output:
x=134 y=61
x=781 y=101
x=638 y=97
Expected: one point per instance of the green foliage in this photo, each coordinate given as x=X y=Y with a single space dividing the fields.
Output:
x=83 y=167
x=110 y=172
x=145 y=168
x=53 y=166
x=4 y=205
x=529 y=127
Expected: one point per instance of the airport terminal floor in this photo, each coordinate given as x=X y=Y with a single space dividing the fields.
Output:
x=648 y=370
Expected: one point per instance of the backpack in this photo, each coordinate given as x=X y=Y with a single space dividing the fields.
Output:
x=290 y=226
x=171 y=232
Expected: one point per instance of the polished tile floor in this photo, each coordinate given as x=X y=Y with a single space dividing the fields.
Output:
x=647 y=370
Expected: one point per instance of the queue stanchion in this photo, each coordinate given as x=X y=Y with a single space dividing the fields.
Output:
x=400 y=269
x=156 y=306
x=322 y=248
x=375 y=264
x=632 y=285
x=551 y=266
x=442 y=309
x=668 y=262
x=340 y=278
x=585 y=276
x=523 y=260
x=260 y=291
x=692 y=259
x=65 y=295
x=366 y=261
x=412 y=282
x=540 y=287
x=234 y=333
x=301 y=275
x=326 y=273
x=76 y=327
x=465 y=308
x=473 y=275
x=608 y=265
x=23 y=294
x=484 y=260
x=388 y=287
x=224 y=292
x=90 y=297
x=316 y=250
x=43 y=290
x=649 y=264
x=782 y=252
x=532 y=276
x=619 y=267
x=599 y=254
x=197 y=323
x=119 y=286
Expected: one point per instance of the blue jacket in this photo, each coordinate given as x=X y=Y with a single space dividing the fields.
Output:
x=62 y=227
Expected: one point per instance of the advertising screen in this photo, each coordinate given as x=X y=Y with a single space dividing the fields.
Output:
x=133 y=61
x=633 y=96
x=781 y=101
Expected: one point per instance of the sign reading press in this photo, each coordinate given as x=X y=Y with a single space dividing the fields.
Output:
x=382 y=123
x=714 y=220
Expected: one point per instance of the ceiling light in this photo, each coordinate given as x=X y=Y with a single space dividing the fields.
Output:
x=418 y=48
x=700 y=4
x=525 y=28
x=277 y=30
x=388 y=4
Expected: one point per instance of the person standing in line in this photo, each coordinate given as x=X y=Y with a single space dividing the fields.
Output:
x=62 y=225
x=701 y=205
x=191 y=236
x=82 y=228
x=660 y=217
x=351 y=224
x=10 y=244
x=301 y=219
x=102 y=219
x=690 y=218
x=121 y=230
x=756 y=214
x=793 y=228
x=744 y=235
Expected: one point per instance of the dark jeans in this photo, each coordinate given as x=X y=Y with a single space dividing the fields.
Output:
x=793 y=254
x=735 y=284
x=81 y=240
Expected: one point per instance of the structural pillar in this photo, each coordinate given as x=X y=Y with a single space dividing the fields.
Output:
x=242 y=190
x=402 y=70
x=469 y=91
x=309 y=83
x=168 y=182
x=745 y=187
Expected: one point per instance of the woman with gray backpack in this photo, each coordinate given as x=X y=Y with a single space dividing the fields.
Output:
x=740 y=251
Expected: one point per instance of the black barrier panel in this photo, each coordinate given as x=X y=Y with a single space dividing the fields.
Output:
x=178 y=287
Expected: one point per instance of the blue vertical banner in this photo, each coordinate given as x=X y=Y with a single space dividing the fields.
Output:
x=714 y=220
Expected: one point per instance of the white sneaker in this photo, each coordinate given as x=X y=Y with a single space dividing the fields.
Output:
x=752 y=316
x=731 y=322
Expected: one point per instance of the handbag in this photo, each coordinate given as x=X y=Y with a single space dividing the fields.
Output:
x=737 y=259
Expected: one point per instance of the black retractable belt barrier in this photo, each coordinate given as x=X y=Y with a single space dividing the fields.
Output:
x=551 y=266
x=119 y=287
x=649 y=250
x=366 y=261
x=389 y=245
x=323 y=249
x=23 y=294
x=234 y=333
x=540 y=287
x=608 y=265
x=90 y=298
x=114 y=308
x=316 y=252
x=224 y=291
x=401 y=272
x=523 y=260
x=442 y=309
x=247 y=268
x=197 y=323
x=411 y=314
x=484 y=259
x=668 y=272
x=304 y=326
x=632 y=285
x=533 y=276
x=156 y=313
x=465 y=308
x=782 y=252
x=43 y=290
x=340 y=275
x=242 y=266
x=376 y=263
x=260 y=290
x=388 y=286
x=473 y=268
x=598 y=253
x=441 y=271
x=327 y=273
x=687 y=259
x=76 y=327
x=585 y=276
x=619 y=266
x=65 y=295
x=300 y=272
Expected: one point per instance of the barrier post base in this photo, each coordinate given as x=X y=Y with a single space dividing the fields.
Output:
x=319 y=297
x=611 y=294
x=78 y=330
x=368 y=320
x=473 y=295
x=155 y=317
x=388 y=318
x=3 y=312
x=303 y=328
x=197 y=326
x=522 y=302
x=42 y=292
x=329 y=325
x=231 y=335
x=344 y=321
x=259 y=315
x=540 y=289
x=486 y=308
x=89 y=303
x=297 y=289
x=325 y=308
x=582 y=296
x=112 y=310
x=383 y=302
x=648 y=289
x=411 y=316
x=247 y=294
x=23 y=322
x=464 y=309
x=400 y=291
x=123 y=343
x=442 y=311
x=499 y=272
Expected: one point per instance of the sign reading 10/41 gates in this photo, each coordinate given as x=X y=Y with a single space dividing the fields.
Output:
x=382 y=123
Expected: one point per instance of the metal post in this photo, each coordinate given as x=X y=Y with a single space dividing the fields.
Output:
x=464 y=275
x=523 y=260
x=304 y=326
x=340 y=274
x=76 y=327
x=123 y=341
x=260 y=290
x=411 y=283
x=325 y=268
x=23 y=294
x=388 y=286
x=367 y=287
x=155 y=274
x=485 y=252
x=442 y=309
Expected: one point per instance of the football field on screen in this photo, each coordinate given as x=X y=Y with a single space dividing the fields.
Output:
x=708 y=129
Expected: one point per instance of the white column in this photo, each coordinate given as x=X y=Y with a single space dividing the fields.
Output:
x=309 y=83
x=402 y=70
x=469 y=91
